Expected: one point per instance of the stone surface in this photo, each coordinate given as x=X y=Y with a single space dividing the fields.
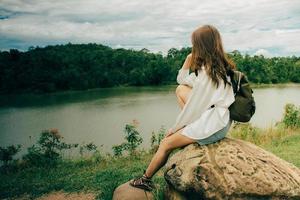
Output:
x=230 y=169
x=127 y=192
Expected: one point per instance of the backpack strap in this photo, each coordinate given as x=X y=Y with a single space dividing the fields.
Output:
x=239 y=81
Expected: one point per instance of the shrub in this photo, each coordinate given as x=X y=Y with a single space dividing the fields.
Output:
x=118 y=149
x=133 y=140
x=291 y=116
x=246 y=131
x=90 y=150
x=90 y=147
x=97 y=157
x=156 y=139
x=47 y=150
x=6 y=154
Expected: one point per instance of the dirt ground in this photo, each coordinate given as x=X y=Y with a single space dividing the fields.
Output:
x=67 y=196
x=61 y=196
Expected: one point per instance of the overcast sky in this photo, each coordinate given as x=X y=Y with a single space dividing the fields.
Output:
x=268 y=27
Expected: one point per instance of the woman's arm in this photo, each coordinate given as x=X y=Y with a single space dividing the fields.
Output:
x=183 y=76
x=187 y=62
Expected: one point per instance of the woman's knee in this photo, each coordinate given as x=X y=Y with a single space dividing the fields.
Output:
x=178 y=89
x=181 y=90
x=165 y=145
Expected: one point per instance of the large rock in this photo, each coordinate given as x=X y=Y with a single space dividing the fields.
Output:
x=230 y=169
x=127 y=192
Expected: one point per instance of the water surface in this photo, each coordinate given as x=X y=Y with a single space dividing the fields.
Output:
x=100 y=115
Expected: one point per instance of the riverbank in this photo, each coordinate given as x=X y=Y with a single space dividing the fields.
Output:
x=279 y=85
x=93 y=113
x=101 y=175
x=126 y=86
x=43 y=170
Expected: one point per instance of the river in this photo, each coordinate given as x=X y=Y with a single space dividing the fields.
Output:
x=100 y=115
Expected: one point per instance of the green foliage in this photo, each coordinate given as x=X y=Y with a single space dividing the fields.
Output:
x=133 y=140
x=102 y=178
x=291 y=116
x=75 y=176
x=85 y=66
x=90 y=147
x=47 y=150
x=79 y=67
x=156 y=138
x=246 y=131
x=267 y=70
x=291 y=120
x=286 y=147
x=90 y=151
x=6 y=154
x=118 y=149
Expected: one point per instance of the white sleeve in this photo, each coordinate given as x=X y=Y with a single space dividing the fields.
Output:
x=185 y=116
x=197 y=103
x=185 y=78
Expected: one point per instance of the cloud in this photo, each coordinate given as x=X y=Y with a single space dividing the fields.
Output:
x=263 y=52
x=158 y=25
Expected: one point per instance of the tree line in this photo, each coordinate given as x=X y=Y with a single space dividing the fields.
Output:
x=85 y=66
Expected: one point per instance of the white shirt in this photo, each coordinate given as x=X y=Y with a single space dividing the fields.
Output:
x=199 y=119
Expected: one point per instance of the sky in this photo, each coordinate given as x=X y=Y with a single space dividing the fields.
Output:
x=267 y=27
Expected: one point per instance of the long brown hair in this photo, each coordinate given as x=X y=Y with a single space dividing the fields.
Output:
x=208 y=50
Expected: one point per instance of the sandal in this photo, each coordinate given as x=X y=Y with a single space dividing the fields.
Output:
x=142 y=182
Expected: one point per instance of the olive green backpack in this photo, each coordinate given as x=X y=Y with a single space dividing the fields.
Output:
x=243 y=108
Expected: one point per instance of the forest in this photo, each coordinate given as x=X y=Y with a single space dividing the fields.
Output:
x=86 y=66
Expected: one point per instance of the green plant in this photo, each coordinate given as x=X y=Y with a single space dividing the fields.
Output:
x=246 y=131
x=77 y=175
x=291 y=116
x=91 y=152
x=6 y=154
x=47 y=150
x=133 y=140
x=118 y=149
x=97 y=157
x=157 y=138
x=90 y=147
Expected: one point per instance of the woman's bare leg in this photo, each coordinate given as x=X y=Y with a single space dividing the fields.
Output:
x=174 y=141
x=182 y=93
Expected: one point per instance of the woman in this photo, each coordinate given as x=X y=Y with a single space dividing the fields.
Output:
x=204 y=97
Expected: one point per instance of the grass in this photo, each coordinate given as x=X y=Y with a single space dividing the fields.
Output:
x=102 y=177
x=281 y=141
x=77 y=175
x=286 y=148
x=278 y=85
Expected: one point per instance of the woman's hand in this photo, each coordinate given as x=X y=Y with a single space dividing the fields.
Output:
x=168 y=133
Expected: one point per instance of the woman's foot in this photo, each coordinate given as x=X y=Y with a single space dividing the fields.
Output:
x=142 y=182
